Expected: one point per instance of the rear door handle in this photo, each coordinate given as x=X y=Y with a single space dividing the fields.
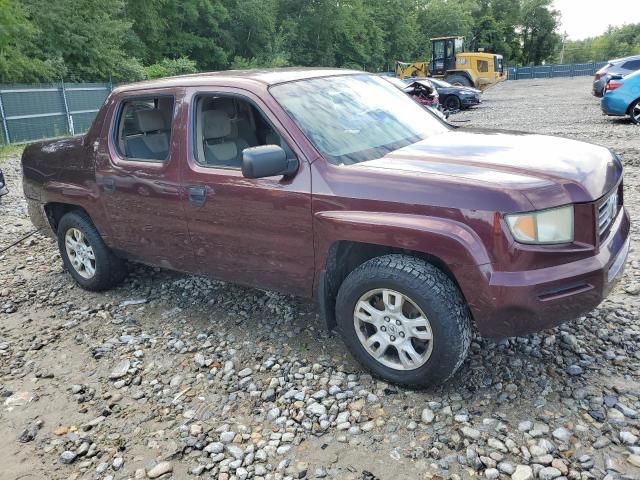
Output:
x=197 y=195
x=109 y=184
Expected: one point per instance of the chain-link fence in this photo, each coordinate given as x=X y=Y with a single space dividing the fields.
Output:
x=38 y=112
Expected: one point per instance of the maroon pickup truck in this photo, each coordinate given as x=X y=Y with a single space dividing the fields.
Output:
x=334 y=185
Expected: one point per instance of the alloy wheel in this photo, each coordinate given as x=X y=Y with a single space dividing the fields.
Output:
x=80 y=253
x=635 y=113
x=393 y=329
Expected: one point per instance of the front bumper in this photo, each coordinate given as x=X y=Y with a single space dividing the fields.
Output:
x=469 y=101
x=519 y=303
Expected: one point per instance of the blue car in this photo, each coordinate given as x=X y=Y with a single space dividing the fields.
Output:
x=622 y=97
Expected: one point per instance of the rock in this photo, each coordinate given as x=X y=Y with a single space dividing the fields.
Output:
x=427 y=415
x=117 y=463
x=199 y=360
x=628 y=438
x=67 y=457
x=120 y=370
x=214 y=447
x=634 y=460
x=471 y=433
x=549 y=473
x=575 y=370
x=525 y=426
x=235 y=451
x=227 y=437
x=492 y=473
x=523 y=472
x=160 y=469
x=562 y=434
x=29 y=433
x=316 y=409
x=245 y=372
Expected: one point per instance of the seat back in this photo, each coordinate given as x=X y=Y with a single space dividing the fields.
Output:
x=220 y=148
x=152 y=143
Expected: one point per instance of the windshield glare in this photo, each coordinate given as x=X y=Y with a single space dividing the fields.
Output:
x=354 y=118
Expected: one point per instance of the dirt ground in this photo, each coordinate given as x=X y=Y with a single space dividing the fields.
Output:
x=200 y=378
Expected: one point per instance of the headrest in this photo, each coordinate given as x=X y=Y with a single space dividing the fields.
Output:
x=225 y=104
x=217 y=124
x=150 y=120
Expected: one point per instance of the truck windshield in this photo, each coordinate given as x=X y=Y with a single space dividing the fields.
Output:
x=354 y=118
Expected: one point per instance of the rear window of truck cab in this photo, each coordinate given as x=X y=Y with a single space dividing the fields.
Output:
x=143 y=128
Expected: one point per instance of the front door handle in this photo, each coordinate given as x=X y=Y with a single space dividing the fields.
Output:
x=197 y=195
x=109 y=184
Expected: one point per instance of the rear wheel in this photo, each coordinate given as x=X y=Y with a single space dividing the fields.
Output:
x=459 y=80
x=404 y=320
x=634 y=112
x=452 y=103
x=84 y=254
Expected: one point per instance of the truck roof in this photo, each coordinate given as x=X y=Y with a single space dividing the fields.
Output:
x=264 y=76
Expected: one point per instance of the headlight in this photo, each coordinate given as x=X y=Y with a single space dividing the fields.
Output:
x=545 y=226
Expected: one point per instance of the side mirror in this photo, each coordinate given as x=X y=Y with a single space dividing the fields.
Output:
x=267 y=161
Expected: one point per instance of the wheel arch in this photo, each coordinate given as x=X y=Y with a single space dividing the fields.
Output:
x=456 y=250
x=633 y=102
x=464 y=73
x=56 y=210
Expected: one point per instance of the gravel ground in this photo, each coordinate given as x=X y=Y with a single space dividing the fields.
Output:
x=171 y=376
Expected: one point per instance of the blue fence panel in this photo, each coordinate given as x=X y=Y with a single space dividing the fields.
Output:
x=554 y=70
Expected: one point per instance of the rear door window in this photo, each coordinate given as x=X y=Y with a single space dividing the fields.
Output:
x=144 y=128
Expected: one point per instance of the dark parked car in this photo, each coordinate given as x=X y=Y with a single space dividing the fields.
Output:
x=454 y=97
x=617 y=67
x=3 y=185
x=335 y=185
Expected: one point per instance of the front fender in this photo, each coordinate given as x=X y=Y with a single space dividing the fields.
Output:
x=453 y=243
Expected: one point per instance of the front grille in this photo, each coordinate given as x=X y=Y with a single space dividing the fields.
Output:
x=607 y=213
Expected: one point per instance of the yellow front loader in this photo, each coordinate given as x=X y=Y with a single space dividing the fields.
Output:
x=451 y=63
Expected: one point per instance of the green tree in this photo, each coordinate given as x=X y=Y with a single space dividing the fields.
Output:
x=539 y=36
x=398 y=23
x=16 y=44
x=440 y=18
x=168 y=67
x=194 y=28
x=84 y=37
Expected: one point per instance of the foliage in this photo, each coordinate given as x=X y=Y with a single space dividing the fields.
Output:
x=614 y=43
x=92 y=40
x=16 y=37
x=168 y=68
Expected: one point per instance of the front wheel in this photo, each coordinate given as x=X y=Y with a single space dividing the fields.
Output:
x=634 y=112
x=452 y=103
x=84 y=254
x=404 y=320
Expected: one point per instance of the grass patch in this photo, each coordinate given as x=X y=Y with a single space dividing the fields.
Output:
x=10 y=151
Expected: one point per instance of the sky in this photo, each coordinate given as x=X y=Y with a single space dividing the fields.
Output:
x=589 y=18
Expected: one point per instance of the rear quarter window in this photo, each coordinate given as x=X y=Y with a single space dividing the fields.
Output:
x=631 y=65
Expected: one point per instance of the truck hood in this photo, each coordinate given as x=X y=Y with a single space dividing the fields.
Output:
x=548 y=171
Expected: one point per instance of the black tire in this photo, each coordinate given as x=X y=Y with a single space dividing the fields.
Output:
x=433 y=292
x=109 y=269
x=634 y=112
x=452 y=103
x=459 y=80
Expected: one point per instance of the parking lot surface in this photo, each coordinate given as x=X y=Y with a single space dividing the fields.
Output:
x=193 y=377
